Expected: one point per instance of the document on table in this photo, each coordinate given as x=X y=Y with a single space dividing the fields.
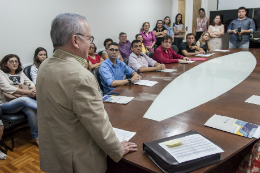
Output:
x=168 y=70
x=190 y=61
x=117 y=99
x=145 y=82
x=123 y=135
x=254 y=100
x=193 y=147
x=219 y=50
x=198 y=59
x=205 y=55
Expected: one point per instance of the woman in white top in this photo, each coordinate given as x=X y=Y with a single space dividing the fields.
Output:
x=104 y=53
x=40 y=55
x=216 y=31
x=12 y=79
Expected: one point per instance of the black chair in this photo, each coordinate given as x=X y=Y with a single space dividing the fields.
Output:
x=27 y=71
x=150 y=54
x=126 y=61
x=100 y=53
x=12 y=118
x=97 y=75
x=175 y=48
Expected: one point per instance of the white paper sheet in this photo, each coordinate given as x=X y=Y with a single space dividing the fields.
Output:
x=123 y=135
x=219 y=50
x=190 y=61
x=193 y=147
x=145 y=82
x=168 y=70
x=121 y=99
x=254 y=100
x=205 y=55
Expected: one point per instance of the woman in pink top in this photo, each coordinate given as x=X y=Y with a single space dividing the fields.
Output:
x=149 y=39
x=202 y=24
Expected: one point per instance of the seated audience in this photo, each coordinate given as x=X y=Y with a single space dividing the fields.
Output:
x=165 y=54
x=189 y=48
x=167 y=25
x=149 y=39
x=203 y=42
x=179 y=30
x=94 y=59
x=40 y=55
x=140 y=62
x=2 y=155
x=247 y=25
x=112 y=70
x=12 y=79
x=159 y=31
x=216 y=31
x=124 y=46
x=104 y=53
x=140 y=37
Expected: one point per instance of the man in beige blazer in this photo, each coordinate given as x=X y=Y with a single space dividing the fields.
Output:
x=74 y=130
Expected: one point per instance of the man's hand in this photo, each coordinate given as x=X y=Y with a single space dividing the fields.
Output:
x=242 y=32
x=31 y=93
x=192 y=47
x=202 y=51
x=181 y=61
x=135 y=78
x=128 y=147
x=235 y=31
x=161 y=67
x=186 y=58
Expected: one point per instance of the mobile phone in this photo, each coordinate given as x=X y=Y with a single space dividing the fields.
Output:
x=113 y=93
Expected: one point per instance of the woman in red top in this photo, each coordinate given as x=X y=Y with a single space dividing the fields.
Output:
x=95 y=60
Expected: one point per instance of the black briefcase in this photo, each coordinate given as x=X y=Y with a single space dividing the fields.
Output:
x=168 y=164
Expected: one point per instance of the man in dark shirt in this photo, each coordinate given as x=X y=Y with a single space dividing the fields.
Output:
x=247 y=25
x=189 y=48
x=124 y=46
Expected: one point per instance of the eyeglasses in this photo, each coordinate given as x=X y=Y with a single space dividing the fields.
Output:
x=13 y=62
x=91 y=38
x=112 y=50
x=91 y=48
x=166 y=42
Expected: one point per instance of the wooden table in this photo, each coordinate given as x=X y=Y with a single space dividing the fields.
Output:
x=232 y=104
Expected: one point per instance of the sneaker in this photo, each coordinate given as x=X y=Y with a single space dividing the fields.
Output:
x=2 y=156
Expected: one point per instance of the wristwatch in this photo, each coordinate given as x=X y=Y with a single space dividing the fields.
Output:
x=129 y=80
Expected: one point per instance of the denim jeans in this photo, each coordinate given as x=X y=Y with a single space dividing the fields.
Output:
x=28 y=106
x=246 y=45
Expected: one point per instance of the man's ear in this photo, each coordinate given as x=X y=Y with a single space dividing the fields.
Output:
x=131 y=48
x=75 y=41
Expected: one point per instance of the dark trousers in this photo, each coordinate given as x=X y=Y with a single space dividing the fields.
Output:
x=178 y=41
x=198 y=34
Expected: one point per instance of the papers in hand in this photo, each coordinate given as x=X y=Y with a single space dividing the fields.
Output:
x=117 y=99
x=123 y=135
x=234 y=126
x=168 y=70
x=145 y=82
x=254 y=100
x=205 y=55
x=193 y=147
x=219 y=50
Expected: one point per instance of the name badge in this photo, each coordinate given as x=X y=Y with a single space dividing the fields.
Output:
x=201 y=29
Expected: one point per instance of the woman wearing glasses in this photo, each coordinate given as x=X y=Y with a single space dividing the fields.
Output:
x=11 y=80
x=95 y=60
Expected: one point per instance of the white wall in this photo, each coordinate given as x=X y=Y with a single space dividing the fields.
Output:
x=25 y=24
x=235 y=4
x=174 y=9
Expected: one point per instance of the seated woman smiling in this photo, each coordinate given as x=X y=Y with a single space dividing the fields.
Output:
x=12 y=79
x=95 y=60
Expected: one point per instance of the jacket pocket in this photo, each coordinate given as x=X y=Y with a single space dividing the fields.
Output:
x=94 y=150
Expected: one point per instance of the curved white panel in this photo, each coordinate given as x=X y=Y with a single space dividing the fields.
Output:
x=201 y=84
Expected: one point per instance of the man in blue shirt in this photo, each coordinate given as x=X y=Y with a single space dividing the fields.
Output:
x=112 y=71
x=240 y=39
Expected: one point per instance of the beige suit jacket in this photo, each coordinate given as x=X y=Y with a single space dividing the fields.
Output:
x=74 y=130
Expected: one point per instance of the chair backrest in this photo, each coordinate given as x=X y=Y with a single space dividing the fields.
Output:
x=126 y=61
x=97 y=75
x=100 y=53
x=150 y=54
x=175 y=48
x=27 y=71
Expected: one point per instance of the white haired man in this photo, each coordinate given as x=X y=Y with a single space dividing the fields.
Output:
x=76 y=135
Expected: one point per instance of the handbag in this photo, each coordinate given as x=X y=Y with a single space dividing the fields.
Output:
x=10 y=97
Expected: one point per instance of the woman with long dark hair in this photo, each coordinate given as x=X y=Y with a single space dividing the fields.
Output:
x=179 y=30
x=159 y=31
x=167 y=25
x=40 y=55
x=201 y=23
